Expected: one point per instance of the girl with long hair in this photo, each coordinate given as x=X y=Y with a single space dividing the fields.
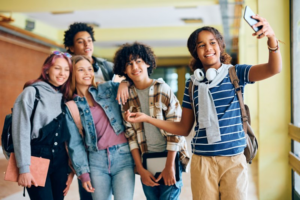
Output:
x=101 y=158
x=45 y=135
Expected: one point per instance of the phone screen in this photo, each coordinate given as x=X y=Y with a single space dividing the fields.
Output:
x=247 y=16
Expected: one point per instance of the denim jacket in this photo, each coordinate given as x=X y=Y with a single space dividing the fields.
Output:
x=105 y=96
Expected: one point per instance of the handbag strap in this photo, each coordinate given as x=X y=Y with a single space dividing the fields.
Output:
x=75 y=115
x=235 y=81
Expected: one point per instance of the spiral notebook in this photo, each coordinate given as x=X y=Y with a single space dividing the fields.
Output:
x=38 y=168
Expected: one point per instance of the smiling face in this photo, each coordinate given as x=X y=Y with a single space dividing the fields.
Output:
x=59 y=72
x=208 y=50
x=84 y=73
x=137 y=71
x=83 y=44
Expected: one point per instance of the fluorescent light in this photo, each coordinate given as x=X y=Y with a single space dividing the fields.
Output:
x=192 y=20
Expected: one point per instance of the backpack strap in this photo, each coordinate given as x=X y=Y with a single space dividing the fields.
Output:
x=75 y=115
x=235 y=81
x=36 y=101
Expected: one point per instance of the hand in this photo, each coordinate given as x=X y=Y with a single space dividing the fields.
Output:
x=266 y=30
x=68 y=183
x=122 y=94
x=147 y=178
x=168 y=174
x=135 y=117
x=26 y=180
x=88 y=186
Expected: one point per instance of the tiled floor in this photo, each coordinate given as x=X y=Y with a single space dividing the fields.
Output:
x=11 y=191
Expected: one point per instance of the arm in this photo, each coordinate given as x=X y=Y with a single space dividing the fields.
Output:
x=183 y=127
x=76 y=147
x=21 y=133
x=274 y=65
x=168 y=174
x=122 y=94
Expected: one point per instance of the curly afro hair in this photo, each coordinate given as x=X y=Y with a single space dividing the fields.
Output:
x=133 y=51
x=192 y=46
x=73 y=30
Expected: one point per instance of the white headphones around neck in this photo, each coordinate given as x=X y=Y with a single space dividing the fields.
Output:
x=211 y=74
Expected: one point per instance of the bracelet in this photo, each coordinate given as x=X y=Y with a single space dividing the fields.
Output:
x=274 y=49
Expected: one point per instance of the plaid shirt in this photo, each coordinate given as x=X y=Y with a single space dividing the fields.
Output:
x=163 y=105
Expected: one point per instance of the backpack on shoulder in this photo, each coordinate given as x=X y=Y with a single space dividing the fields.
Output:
x=250 y=150
x=6 y=137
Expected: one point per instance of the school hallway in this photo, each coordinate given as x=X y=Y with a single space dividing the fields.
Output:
x=11 y=191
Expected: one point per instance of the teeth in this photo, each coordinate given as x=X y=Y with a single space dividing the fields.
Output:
x=209 y=55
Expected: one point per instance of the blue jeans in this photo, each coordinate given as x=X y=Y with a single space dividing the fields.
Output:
x=164 y=192
x=112 y=173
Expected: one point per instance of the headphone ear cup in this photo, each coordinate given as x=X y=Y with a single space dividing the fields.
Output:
x=211 y=73
x=199 y=75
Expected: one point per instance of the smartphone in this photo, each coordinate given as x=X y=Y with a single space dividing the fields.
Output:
x=247 y=16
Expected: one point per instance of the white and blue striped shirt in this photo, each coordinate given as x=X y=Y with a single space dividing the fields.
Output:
x=229 y=115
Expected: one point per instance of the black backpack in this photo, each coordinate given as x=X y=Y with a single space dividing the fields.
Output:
x=6 y=138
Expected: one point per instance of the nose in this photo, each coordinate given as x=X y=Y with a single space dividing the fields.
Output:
x=208 y=47
x=134 y=66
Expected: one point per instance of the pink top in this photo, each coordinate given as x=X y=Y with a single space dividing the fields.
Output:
x=106 y=135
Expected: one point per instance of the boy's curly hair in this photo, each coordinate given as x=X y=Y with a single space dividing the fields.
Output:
x=73 y=30
x=133 y=51
x=192 y=46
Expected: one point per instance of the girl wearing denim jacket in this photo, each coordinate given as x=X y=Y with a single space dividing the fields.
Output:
x=102 y=158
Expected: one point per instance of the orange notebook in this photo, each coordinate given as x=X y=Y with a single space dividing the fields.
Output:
x=38 y=168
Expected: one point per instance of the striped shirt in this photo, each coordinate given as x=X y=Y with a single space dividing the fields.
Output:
x=233 y=140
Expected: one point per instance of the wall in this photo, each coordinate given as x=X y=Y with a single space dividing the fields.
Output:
x=270 y=101
x=21 y=61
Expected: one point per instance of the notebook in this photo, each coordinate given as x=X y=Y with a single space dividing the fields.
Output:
x=38 y=168
x=156 y=162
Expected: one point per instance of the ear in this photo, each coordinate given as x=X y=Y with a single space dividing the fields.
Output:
x=71 y=49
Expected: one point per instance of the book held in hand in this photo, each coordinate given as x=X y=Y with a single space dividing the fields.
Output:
x=38 y=168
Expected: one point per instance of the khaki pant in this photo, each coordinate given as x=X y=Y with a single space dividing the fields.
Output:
x=219 y=177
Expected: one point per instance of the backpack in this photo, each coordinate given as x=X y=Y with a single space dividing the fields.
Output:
x=73 y=108
x=6 y=137
x=250 y=150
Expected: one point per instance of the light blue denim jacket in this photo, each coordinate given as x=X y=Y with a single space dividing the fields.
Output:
x=105 y=96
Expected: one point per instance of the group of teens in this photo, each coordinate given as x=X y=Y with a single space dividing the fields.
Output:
x=123 y=121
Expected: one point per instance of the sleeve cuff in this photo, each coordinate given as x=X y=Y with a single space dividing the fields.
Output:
x=24 y=169
x=84 y=177
x=133 y=145
x=171 y=146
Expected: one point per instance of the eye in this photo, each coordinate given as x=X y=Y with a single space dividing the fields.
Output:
x=213 y=43
x=201 y=45
x=128 y=64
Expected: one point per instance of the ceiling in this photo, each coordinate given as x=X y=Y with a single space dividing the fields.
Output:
x=158 y=23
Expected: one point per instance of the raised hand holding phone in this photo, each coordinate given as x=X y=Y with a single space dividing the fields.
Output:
x=248 y=14
x=260 y=25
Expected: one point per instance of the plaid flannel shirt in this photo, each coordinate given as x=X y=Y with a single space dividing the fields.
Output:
x=163 y=105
